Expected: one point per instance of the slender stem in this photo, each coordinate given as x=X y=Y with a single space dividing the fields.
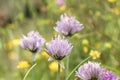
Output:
x=34 y=57
x=58 y=75
x=33 y=71
x=29 y=71
x=67 y=66
x=77 y=67
x=67 y=61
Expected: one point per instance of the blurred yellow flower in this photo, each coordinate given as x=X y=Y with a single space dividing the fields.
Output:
x=12 y=55
x=85 y=49
x=63 y=8
x=85 y=42
x=45 y=54
x=16 y=42
x=23 y=65
x=53 y=66
x=12 y=43
x=108 y=45
x=116 y=10
x=112 y=1
x=95 y=54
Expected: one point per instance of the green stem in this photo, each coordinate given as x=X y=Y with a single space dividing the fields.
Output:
x=33 y=72
x=77 y=67
x=67 y=61
x=58 y=75
x=34 y=59
x=29 y=71
x=67 y=66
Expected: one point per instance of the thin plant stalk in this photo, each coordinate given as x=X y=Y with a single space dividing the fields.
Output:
x=58 y=74
x=67 y=66
x=67 y=62
x=29 y=71
x=33 y=71
x=77 y=67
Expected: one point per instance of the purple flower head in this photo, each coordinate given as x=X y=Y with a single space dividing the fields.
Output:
x=89 y=71
x=58 y=48
x=33 y=42
x=60 y=2
x=68 y=25
x=108 y=75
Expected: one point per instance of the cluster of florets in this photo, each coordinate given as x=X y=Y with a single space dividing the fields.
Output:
x=93 y=71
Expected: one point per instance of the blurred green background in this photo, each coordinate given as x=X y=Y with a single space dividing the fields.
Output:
x=101 y=20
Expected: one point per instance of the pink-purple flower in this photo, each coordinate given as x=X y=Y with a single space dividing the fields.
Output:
x=58 y=48
x=89 y=71
x=60 y=2
x=68 y=25
x=93 y=71
x=32 y=42
x=108 y=75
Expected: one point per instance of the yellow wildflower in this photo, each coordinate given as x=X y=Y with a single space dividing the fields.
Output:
x=62 y=8
x=12 y=43
x=9 y=45
x=23 y=65
x=45 y=54
x=95 y=54
x=53 y=66
x=16 y=42
x=116 y=10
x=85 y=49
x=112 y=1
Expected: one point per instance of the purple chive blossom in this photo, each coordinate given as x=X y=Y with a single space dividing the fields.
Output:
x=68 y=25
x=33 y=42
x=108 y=75
x=60 y=2
x=89 y=71
x=58 y=48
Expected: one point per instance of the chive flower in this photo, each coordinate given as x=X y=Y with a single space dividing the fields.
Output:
x=32 y=42
x=108 y=75
x=68 y=25
x=58 y=48
x=89 y=71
